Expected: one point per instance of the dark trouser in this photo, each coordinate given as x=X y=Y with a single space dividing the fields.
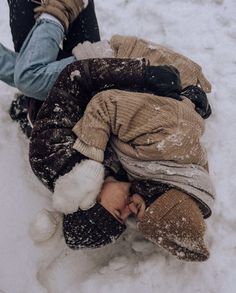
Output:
x=84 y=28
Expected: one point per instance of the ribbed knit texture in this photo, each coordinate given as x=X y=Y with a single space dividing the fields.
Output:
x=88 y=151
x=143 y=126
x=190 y=178
x=133 y=47
x=175 y=223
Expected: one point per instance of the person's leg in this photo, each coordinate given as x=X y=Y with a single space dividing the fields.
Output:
x=36 y=67
x=21 y=15
x=84 y=28
x=22 y=20
x=7 y=65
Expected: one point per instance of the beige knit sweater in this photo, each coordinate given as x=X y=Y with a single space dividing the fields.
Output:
x=146 y=126
x=143 y=126
x=133 y=47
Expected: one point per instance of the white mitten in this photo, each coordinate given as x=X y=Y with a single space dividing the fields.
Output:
x=79 y=188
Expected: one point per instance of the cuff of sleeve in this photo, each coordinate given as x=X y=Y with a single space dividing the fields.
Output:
x=89 y=151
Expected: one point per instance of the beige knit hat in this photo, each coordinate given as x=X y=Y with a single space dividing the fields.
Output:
x=174 y=222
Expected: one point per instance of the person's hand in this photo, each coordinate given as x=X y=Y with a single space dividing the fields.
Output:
x=164 y=81
x=196 y=95
x=79 y=188
x=137 y=205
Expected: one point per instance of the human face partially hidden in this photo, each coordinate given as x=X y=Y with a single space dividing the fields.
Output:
x=114 y=197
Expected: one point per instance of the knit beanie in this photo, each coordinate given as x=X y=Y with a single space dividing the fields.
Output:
x=175 y=222
x=92 y=228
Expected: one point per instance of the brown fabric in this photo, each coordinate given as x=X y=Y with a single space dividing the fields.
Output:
x=51 y=150
x=133 y=47
x=175 y=223
x=143 y=126
x=64 y=10
x=190 y=178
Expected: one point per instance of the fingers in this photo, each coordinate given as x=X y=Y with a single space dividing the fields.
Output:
x=133 y=208
x=137 y=206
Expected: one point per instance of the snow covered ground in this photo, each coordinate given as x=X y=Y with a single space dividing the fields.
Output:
x=204 y=30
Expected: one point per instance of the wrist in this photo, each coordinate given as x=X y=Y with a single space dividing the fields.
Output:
x=89 y=151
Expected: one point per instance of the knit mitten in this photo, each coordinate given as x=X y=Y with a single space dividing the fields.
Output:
x=175 y=223
x=163 y=80
x=66 y=11
x=196 y=95
x=78 y=188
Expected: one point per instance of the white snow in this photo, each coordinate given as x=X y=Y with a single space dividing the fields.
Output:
x=44 y=225
x=204 y=30
x=74 y=74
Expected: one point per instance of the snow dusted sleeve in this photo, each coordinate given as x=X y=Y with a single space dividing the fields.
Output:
x=83 y=79
x=51 y=148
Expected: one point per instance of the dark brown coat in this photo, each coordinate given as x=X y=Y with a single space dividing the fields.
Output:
x=51 y=154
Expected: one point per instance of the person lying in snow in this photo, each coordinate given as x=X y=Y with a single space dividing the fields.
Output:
x=165 y=185
x=156 y=139
x=51 y=150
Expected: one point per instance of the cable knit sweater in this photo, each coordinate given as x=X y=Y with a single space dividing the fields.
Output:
x=143 y=126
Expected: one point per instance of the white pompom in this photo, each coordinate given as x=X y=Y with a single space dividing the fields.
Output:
x=44 y=225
